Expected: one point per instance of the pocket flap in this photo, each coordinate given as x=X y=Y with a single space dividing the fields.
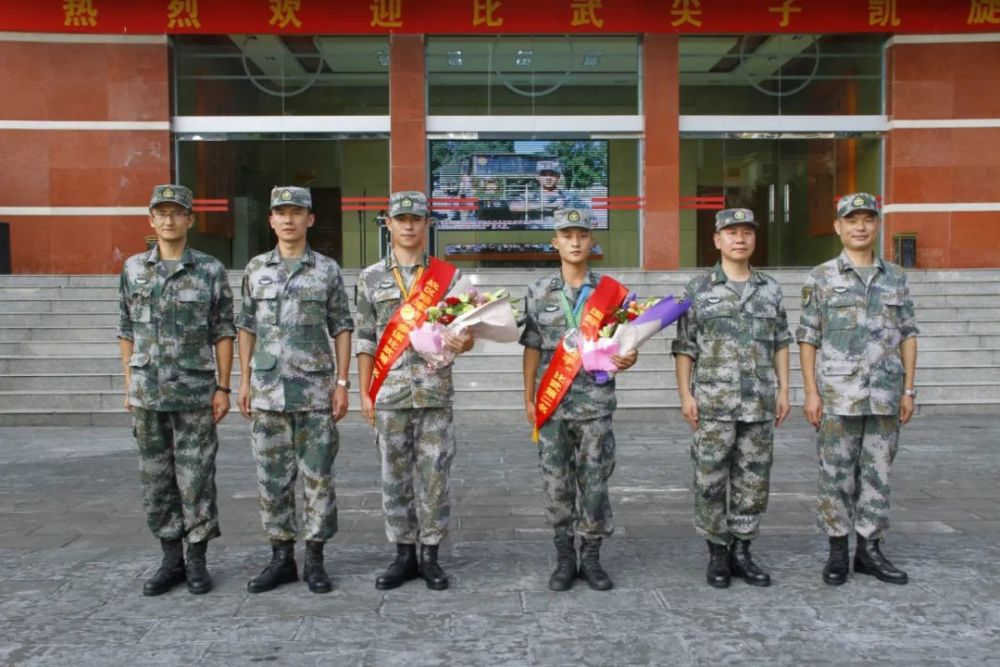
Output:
x=839 y=367
x=312 y=295
x=310 y=363
x=193 y=296
x=263 y=361
x=265 y=293
x=138 y=359
x=766 y=372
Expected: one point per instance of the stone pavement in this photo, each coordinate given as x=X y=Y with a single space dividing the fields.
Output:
x=74 y=550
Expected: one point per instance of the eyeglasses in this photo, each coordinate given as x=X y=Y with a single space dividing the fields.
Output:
x=176 y=215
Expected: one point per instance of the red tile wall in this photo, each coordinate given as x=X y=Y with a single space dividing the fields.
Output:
x=661 y=102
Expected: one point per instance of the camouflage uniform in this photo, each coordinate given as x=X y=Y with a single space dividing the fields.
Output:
x=577 y=444
x=732 y=339
x=174 y=319
x=292 y=382
x=413 y=410
x=858 y=328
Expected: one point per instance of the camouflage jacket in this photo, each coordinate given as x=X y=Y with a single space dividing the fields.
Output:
x=174 y=320
x=858 y=329
x=410 y=383
x=544 y=326
x=292 y=368
x=732 y=340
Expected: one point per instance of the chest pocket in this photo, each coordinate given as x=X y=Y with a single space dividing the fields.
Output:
x=140 y=306
x=892 y=307
x=192 y=308
x=268 y=304
x=551 y=323
x=843 y=309
x=386 y=300
x=311 y=308
x=764 y=322
x=717 y=319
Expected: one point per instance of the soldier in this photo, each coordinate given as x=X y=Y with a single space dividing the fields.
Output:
x=857 y=310
x=292 y=389
x=175 y=307
x=408 y=403
x=543 y=202
x=735 y=337
x=576 y=443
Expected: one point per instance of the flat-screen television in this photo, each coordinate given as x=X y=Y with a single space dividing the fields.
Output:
x=516 y=185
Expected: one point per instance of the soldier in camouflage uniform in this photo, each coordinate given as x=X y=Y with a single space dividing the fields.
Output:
x=856 y=309
x=175 y=307
x=292 y=389
x=577 y=443
x=735 y=336
x=412 y=413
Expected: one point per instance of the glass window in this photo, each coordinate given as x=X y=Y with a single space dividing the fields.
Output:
x=781 y=74
x=278 y=75
x=524 y=75
x=343 y=174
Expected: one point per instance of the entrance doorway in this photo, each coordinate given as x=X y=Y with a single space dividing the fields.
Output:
x=790 y=184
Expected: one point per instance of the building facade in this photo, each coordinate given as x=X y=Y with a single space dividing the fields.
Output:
x=655 y=114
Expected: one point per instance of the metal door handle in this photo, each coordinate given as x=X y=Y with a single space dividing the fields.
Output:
x=770 y=203
x=788 y=202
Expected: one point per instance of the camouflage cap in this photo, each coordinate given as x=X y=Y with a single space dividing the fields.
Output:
x=857 y=201
x=728 y=217
x=548 y=165
x=291 y=195
x=408 y=201
x=568 y=218
x=171 y=194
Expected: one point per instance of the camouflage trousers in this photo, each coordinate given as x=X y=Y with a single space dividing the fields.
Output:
x=732 y=462
x=177 y=466
x=855 y=460
x=577 y=458
x=286 y=444
x=420 y=440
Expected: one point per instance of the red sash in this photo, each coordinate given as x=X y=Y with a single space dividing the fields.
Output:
x=565 y=364
x=429 y=290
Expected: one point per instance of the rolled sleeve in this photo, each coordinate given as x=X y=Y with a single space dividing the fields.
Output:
x=782 y=336
x=686 y=342
x=247 y=319
x=338 y=309
x=221 y=317
x=124 y=315
x=908 y=319
x=810 y=320
x=365 y=328
x=531 y=337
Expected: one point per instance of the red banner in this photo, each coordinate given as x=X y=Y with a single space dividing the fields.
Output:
x=565 y=364
x=427 y=291
x=357 y=17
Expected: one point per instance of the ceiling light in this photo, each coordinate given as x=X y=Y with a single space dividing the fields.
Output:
x=382 y=57
x=592 y=58
x=455 y=58
x=524 y=57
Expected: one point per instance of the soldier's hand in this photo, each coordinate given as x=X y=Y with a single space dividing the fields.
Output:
x=813 y=409
x=220 y=406
x=529 y=411
x=626 y=361
x=338 y=401
x=782 y=408
x=906 y=409
x=459 y=342
x=689 y=409
x=367 y=408
x=243 y=399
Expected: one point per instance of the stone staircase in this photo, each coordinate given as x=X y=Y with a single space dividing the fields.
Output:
x=59 y=361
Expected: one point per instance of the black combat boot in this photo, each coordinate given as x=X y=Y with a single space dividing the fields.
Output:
x=838 y=562
x=171 y=570
x=198 y=580
x=313 y=572
x=401 y=570
x=741 y=565
x=430 y=570
x=281 y=569
x=868 y=559
x=565 y=572
x=590 y=565
x=718 y=573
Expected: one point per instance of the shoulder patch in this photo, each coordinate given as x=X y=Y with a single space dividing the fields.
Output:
x=807 y=293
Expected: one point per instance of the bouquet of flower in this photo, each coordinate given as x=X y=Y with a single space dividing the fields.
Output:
x=487 y=315
x=631 y=325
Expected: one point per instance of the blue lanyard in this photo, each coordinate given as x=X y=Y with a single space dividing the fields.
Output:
x=573 y=315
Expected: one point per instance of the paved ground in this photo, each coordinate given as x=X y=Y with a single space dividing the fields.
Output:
x=74 y=550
